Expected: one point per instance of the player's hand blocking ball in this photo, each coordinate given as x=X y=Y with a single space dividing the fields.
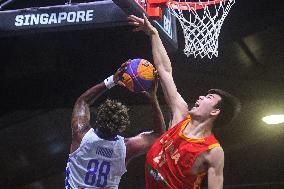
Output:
x=138 y=75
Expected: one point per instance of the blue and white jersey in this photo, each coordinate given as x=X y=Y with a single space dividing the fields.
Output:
x=97 y=163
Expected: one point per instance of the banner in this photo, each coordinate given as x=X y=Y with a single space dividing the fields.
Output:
x=70 y=16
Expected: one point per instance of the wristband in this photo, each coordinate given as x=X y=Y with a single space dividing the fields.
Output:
x=109 y=83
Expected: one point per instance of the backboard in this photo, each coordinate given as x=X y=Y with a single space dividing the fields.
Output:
x=166 y=24
x=78 y=15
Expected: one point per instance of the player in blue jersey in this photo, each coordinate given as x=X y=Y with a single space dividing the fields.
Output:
x=98 y=155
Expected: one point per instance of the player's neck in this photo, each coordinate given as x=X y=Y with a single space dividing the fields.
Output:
x=103 y=136
x=196 y=129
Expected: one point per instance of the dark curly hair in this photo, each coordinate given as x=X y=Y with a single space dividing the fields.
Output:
x=229 y=106
x=112 y=118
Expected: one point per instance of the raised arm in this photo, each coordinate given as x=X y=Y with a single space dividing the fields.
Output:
x=141 y=143
x=80 y=121
x=162 y=62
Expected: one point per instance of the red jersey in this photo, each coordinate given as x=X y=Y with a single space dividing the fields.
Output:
x=169 y=161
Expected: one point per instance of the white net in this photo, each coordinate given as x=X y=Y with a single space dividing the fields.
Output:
x=201 y=23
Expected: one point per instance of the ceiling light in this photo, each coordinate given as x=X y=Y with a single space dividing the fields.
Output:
x=273 y=119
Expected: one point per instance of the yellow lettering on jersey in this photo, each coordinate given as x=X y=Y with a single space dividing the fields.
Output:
x=169 y=148
x=158 y=158
x=168 y=143
x=164 y=138
x=175 y=156
x=163 y=160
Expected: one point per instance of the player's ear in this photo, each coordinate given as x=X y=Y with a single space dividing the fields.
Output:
x=215 y=112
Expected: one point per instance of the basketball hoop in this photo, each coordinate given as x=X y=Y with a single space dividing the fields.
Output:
x=201 y=22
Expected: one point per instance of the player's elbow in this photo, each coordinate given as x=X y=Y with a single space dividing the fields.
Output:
x=161 y=67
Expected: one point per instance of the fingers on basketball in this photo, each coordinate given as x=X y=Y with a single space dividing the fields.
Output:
x=156 y=74
x=155 y=81
x=123 y=66
x=120 y=83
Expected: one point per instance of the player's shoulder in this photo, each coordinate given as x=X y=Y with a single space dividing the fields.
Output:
x=216 y=151
x=215 y=155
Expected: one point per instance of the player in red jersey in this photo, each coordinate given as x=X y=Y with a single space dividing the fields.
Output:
x=188 y=151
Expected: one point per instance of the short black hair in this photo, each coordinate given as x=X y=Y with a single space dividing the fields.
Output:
x=112 y=118
x=229 y=107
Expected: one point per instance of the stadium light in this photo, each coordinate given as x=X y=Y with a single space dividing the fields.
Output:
x=273 y=119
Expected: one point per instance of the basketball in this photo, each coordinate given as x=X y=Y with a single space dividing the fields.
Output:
x=139 y=75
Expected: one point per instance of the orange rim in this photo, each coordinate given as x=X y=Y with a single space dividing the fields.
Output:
x=192 y=5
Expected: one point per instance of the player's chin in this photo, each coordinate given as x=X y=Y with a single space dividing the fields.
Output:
x=192 y=110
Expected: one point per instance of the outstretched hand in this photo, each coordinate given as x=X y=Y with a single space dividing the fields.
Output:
x=118 y=74
x=142 y=24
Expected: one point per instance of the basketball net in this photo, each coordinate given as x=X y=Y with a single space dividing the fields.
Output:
x=201 y=24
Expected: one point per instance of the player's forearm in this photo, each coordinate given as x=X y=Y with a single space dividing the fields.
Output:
x=163 y=65
x=160 y=56
x=159 y=125
x=93 y=93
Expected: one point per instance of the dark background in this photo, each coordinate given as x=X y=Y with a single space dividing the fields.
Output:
x=42 y=74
